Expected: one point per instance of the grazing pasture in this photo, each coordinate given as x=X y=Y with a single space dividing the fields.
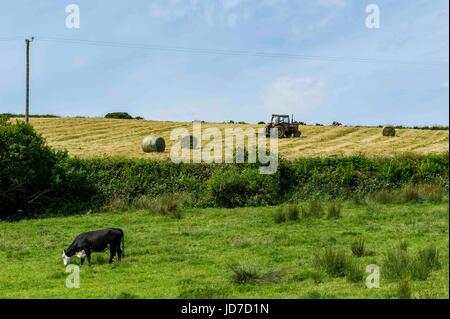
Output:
x=240 y=253
x=88 y=137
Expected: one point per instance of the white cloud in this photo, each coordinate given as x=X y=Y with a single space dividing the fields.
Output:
x=297 y=96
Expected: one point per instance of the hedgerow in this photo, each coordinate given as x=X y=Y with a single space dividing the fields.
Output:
x=28 y=167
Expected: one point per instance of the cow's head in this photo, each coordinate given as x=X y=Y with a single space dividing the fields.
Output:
x=66 y=259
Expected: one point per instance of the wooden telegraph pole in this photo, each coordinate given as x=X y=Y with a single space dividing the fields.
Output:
x=27 y=97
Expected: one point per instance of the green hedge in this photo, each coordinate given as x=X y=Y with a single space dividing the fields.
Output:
x=231 y=185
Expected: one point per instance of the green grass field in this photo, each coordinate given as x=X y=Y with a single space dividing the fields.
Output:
x=191 y=257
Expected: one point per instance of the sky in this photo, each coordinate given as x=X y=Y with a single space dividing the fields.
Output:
x=315 y=59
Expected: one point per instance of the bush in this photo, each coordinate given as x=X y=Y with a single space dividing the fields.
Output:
x=233 y=188
x=33 y=176
x=119 y=115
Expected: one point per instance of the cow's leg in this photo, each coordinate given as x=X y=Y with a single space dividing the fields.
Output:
x=88 y=255
x=119 y=253
x=112 y=251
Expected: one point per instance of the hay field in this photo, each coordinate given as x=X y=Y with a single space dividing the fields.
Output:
x=85 y=137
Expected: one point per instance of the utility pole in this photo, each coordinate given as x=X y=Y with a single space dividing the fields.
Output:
x=27 y=97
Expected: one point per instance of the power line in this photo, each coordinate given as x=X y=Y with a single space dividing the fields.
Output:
x=236 y=52
x=11 y=39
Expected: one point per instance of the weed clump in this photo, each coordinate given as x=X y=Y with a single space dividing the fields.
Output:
x=359 y=248
x=287 y=213
x=167 y=205
x=400 y=264
x=333 y=261
x=249 y=274
x=354 y=271
x=334 y=210
x=404 y=288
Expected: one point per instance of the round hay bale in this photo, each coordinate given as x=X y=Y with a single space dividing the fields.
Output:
x=153 y=143
x=388 y=130
x=189 y=142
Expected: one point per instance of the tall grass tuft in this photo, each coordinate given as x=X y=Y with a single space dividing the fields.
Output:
x=333 y=261
x=166 y=204
x=359 y=247
x=383 y=197
x=118 y=203
x=244 y=274
x=399 y=264
x=287 y=213
x=403 y=245
x=280 y=216
x=425 y=262
x=433 y=193
x=354 y=271
x=429 y=256
x=409 y=193
x=314 y=208
x=249 y=274
x=334 y=210
x=404 y=288
x=293 y=212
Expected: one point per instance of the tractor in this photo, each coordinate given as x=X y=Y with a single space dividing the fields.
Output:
x=286 y=127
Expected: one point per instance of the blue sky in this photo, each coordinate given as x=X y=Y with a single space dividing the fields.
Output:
x=75 y=79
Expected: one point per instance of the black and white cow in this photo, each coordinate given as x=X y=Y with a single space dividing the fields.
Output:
x=96 y=241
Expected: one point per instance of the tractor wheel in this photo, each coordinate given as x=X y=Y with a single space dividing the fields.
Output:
x=297 y=134
x=281 y=132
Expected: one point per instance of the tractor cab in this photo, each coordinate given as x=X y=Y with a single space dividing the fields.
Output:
x=285 y=125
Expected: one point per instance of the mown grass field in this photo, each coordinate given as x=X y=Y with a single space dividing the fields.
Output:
x=191 y=257
x=106 y=137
